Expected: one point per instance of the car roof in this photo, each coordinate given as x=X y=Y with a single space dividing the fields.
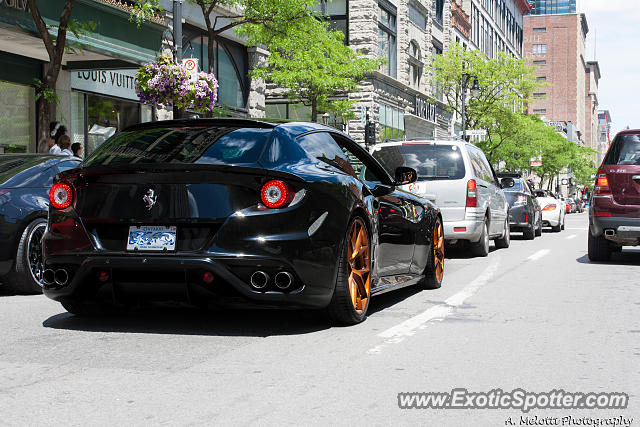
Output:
x=418 y=142
x=292 y=128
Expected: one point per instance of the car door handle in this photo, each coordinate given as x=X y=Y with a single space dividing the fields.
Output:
x=482 y=185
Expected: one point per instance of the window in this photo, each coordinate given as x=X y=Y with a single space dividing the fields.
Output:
x=222 y=145
x=539 y=95
x=539 y=49
x=540 y=111
x=541 y=79
x=387 y=40
x=17 y=118
x=540 y=30
x=479 y=164
x=323 y=147
x=625 y=150
x=418 y=17
x=391 y=122
x=336 y=11
x=439 y=4
x=540 y=62
x=415 y=65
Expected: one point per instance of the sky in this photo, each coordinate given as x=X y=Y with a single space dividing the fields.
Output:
x=614 y=41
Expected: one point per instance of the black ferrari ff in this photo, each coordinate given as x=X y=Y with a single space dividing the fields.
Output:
x=25 y=180
x=237 y=211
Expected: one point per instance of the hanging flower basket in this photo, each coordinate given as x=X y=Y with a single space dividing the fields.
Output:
x=166 y=84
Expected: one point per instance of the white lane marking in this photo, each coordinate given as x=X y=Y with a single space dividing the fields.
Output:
x=536 y=256
x=409 y=327
x=573 y=236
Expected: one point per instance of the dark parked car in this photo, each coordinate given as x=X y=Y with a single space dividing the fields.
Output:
x=237 y=210
x=524 y=211
x=25 y=180
x=614 y=212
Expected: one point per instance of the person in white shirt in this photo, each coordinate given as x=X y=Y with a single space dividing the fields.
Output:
x=65 y=145
x=56 y=131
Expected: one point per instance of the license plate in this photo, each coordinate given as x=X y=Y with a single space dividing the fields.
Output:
x=152 y=238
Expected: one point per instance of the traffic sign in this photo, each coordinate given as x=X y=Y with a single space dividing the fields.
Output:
x=476 y=132
x=191 y=66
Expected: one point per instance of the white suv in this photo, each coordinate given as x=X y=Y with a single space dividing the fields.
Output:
x=458 y=178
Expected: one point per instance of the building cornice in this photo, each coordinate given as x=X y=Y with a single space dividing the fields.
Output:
x=524 y=6
x=460 y=20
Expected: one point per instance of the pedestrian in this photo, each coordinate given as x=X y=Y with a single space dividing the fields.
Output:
x=53 y=146
x=76 y=148
x=57 y=130
x=65 y=144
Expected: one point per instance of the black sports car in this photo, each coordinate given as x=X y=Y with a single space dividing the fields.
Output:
x=237 y=210
x=25 y=180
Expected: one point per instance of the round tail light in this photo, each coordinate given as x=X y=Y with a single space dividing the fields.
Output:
x=61 y=195
x=274 y=193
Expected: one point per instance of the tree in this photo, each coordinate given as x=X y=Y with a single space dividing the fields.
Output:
x=505 y=83
x=55 y=47
x=315 y=67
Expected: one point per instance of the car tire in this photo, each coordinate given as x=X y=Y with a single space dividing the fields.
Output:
x=434 y=270
x=352 y=291
x=556 y=228
x=539 y=228
x=504 y=241
x=24 y=278
x=564 y=220
x=481 y=247
x=599 y=248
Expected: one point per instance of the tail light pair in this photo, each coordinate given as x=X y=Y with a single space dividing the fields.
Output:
x=61 y=195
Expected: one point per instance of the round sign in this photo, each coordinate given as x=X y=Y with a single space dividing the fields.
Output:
x=190 y=64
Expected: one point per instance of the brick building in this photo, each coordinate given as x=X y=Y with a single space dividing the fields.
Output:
x=556 y=45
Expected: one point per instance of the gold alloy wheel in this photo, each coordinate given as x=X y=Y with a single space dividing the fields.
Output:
x=359 y=265
x=438 y=251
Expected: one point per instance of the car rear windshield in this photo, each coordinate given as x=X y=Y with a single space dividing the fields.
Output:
x=625 y=150
x=517 y=186
x=431 y=161
x=223 y=145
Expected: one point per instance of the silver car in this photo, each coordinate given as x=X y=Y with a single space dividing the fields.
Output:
x=458 y=178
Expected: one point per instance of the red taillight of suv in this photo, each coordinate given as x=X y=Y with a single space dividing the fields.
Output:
x=472 y=194
x=602 y=184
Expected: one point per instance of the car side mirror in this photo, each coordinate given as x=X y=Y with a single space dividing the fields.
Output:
x=405 y=175
x=507 y=183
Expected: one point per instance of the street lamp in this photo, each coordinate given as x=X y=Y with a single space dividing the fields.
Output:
x=475 y=90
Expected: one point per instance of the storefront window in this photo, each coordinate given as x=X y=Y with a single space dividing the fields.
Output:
x=106 y=116
x=391 y=123
x=17 y=118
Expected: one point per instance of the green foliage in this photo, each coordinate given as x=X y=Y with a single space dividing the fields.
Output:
x=505 y=83
x=144 y=10
x=314 y=66
x=42 y=91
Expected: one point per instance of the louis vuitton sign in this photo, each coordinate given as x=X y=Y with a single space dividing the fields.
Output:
x=15 y=4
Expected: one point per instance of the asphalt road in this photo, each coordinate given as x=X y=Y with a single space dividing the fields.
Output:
x=537 y=316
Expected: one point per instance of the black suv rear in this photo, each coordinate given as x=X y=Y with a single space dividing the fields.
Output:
x=614 y=216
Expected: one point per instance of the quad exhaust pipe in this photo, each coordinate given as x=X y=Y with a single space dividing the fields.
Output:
x=259 y=279
x=284 y=280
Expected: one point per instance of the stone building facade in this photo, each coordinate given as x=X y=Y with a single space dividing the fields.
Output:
x=399 y=97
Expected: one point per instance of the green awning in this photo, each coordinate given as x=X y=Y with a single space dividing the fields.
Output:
x=113 y=36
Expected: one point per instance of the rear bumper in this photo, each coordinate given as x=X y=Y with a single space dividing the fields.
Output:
x=161 y=278
x=551 y=218
x=626 y=231
x=472 y=230
x=519 y=218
